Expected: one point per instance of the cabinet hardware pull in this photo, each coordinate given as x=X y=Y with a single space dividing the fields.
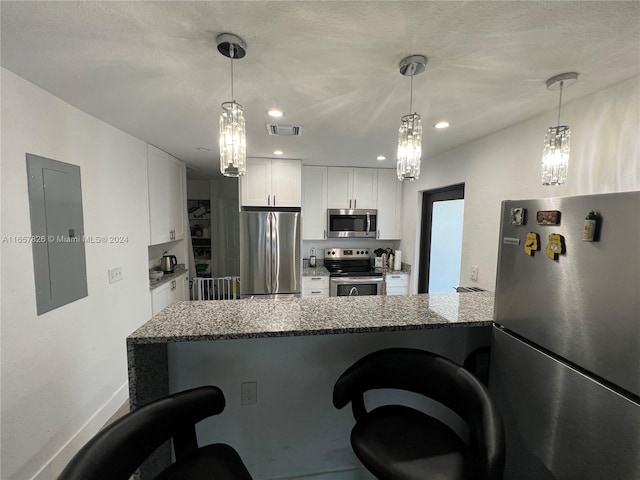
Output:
x=269 y=200
x=355 y=203
x=274 y=200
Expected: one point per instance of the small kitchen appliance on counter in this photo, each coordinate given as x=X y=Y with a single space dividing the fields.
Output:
x=168 y=262
x=350 y=272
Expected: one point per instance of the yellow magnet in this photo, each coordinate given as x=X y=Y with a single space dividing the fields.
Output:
x=555 y=247
x=532 y=243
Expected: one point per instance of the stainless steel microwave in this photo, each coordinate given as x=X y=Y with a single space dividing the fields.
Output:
x=360 y=223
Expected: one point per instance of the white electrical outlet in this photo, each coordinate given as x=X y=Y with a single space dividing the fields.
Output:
x=248 y=393
x=115 y=274
x=474 y=273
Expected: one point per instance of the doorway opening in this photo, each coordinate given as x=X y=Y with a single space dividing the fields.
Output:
x=441 y=239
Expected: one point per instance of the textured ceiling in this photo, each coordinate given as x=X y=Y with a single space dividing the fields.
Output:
x=152 y=68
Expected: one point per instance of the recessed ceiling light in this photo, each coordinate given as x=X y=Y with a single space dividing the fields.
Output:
x=278 y=152
x=275 y=113
x=381 y=157
x=442 y=124
x=203 y=149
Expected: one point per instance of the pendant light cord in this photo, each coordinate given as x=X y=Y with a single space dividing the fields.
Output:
x=231 y=54
x=560 y=101
x=411 y=97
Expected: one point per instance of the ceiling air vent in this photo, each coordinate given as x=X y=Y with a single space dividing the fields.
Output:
x=284 y=130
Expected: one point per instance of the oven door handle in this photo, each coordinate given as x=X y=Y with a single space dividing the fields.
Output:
x=356 y=280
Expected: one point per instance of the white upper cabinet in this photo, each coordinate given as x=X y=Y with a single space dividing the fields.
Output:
x=389 y=205
x=351 y=188
x=167 y=203
x=314 y=203
x=271 y=183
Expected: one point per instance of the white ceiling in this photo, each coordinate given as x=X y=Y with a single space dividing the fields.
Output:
x=152 y=68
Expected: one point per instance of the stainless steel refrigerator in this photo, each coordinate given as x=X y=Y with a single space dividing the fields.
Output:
x=565 y=365
x=270 y=256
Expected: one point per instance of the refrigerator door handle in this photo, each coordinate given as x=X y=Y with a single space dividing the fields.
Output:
x=267 y=253
x=275 y=254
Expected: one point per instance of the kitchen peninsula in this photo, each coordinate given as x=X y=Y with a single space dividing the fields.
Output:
x=212 y=325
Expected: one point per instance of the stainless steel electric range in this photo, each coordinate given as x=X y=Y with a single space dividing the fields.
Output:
x=351 y=272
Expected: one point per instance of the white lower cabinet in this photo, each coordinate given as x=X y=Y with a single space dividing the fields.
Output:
x=177 y=290
x=315 y=286
x=397 y=283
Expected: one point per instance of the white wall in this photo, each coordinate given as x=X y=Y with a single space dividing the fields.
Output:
x=605 y=157
x=64 y=373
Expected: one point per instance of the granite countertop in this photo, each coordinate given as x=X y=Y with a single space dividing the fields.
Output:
x=229 y=319
x=315 y=272
x=167 y=277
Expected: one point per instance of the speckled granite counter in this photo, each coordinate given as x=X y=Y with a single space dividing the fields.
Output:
x=206 y=320
x=238 y=319
x=315 y=272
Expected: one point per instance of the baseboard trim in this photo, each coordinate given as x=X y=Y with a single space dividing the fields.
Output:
x=56 y=464
x=355 y=473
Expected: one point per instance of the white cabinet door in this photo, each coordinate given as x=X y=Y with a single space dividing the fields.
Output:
x=339 y=187
x=271 y=183
x=351 y=188
x=365 y=187
x=389 y=203
x=255 y=184
x=161 y=298
x=180 y=289
x=166 y=182
x=176 y=178
x=314 y=203
x=157 y=180
x=286 y=183
x=174 y=291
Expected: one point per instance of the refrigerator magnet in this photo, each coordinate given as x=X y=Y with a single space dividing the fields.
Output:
x=591 y=224
x=518 y=216
x=555 y=247
x=548 y=217
x=532 y=243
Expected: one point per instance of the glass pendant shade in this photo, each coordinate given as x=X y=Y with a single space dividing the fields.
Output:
x=409 y=147
x=555 y=158
x=233 y=158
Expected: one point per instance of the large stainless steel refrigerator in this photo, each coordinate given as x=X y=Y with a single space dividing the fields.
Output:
x=565 y=366
x=270 y=257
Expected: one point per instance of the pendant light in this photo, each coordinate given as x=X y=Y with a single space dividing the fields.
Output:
x=410 y=132
x=555 y=157
x=233 y=155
